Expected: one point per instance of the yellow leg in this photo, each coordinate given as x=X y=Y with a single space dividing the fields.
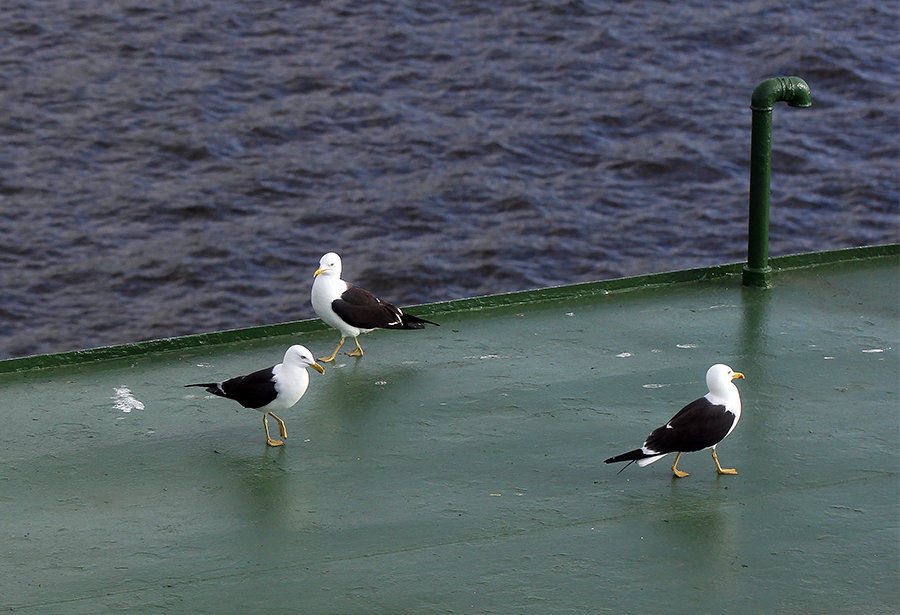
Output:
x=358 y=352
x=282 y=428
x=333 y=354
x=678 y=473
x=269 y=440
x=719 y=467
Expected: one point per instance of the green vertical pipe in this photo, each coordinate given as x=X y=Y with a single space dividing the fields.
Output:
x=795 y=92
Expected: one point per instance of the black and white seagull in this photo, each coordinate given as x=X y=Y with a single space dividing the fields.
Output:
x=275 y=388
x=353 y=310
x=701 y=424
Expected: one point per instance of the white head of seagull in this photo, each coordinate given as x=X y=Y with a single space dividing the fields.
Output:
x=329 y=265
x=300 y=357
x=701 y=424
x=720 y=382
x=353 y=310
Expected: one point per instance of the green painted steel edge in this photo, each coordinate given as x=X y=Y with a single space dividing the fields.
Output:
x=571 y=291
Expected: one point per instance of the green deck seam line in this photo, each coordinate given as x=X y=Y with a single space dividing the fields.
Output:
x=553 y=293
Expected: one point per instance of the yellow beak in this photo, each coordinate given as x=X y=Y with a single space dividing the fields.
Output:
x=317 y=367
x=737 y=375
x=318 y=271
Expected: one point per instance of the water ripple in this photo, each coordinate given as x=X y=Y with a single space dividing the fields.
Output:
x=169 y=170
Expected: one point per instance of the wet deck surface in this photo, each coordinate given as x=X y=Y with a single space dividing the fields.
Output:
x=459 y=469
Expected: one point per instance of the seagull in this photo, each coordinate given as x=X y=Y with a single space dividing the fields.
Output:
x=275 y=388
x=701 y=424
x=353 y=310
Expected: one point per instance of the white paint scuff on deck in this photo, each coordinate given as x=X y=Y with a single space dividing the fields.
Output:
x=125 y=400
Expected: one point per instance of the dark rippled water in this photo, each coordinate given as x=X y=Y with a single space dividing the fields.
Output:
x=178 y=167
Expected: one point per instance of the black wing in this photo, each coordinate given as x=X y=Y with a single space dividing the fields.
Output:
x=698 y=425
x=360 y=308
x=251 y=391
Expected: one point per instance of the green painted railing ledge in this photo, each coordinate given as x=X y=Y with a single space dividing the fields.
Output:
x=572 y=291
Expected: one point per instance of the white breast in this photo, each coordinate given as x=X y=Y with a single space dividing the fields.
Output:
x=291 y=383
x=731 y=399
x=325 y=289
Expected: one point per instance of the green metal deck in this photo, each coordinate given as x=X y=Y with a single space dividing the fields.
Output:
x=459 y=469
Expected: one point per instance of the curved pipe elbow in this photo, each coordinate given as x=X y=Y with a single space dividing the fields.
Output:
x=792 y=90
